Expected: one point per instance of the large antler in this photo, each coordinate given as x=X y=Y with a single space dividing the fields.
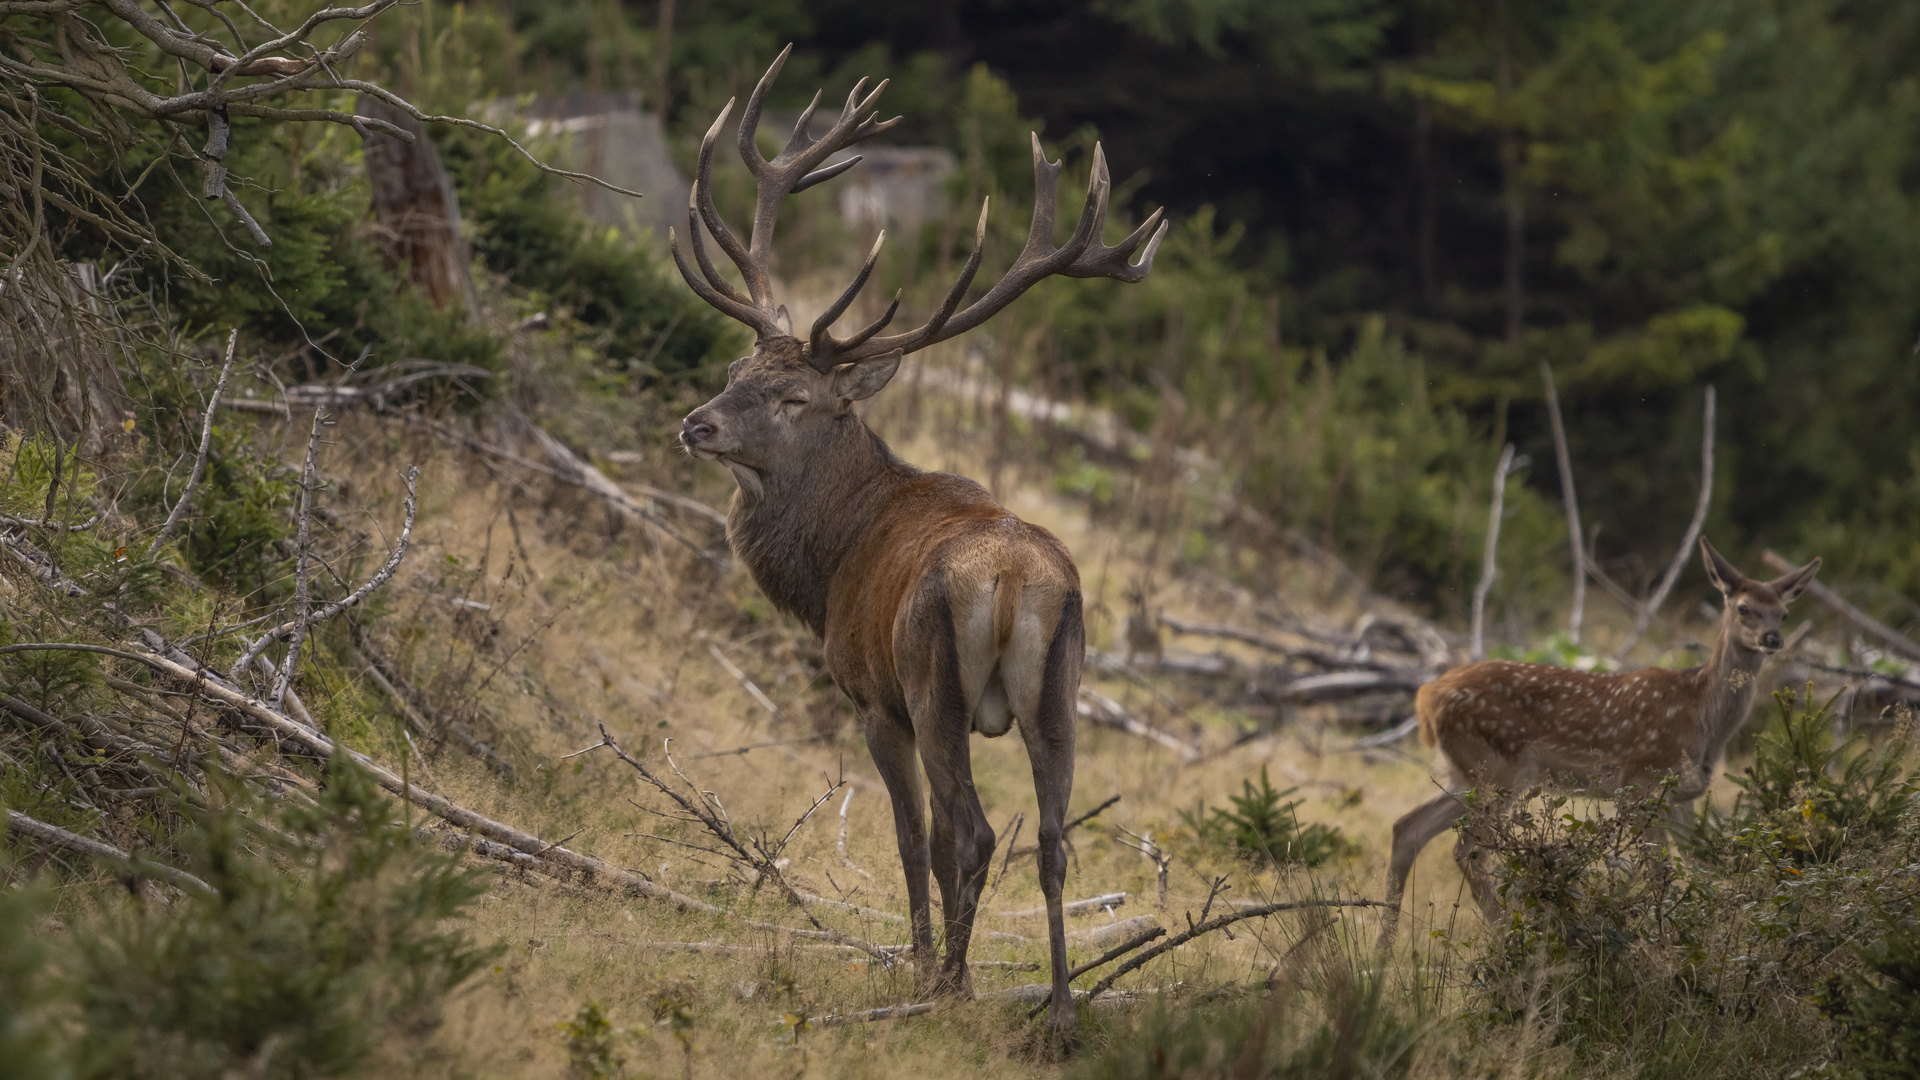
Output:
x=797 y=168
x=1083 y=255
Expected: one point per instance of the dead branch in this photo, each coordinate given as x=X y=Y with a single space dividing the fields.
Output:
x=844 y=857
x=1107 y=712
x=740 y=677
x=1216 y=924
x=1356 y=656
x=302 y=553
x=1895 y=640
x=885 y=1012
x=1476 y=647
x=1013 y=838
x=704 y=807
x=1684 y=553
x=1575 y=539
x=53 y=834
x=209 y=685
x=422 y=717
x=1104 y=959
x=200 y=457
x=1092 y=904
x=378 y=579
x=1161 y=861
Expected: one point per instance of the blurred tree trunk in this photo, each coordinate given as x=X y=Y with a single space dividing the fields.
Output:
x=56 y=355
x=418 y=212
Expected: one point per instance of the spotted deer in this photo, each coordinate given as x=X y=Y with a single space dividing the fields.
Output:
x=942 y=613
x=1508 y=726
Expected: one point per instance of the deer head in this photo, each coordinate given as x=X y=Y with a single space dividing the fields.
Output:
x=1754 y=609
x=783 y=401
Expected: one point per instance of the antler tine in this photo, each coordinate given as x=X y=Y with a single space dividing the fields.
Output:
x=959 y=291
x=751 y=269
x=873 y=327
x=1095 y=258
x=820 y=343
x=699 y=246
x=802 y=137
x=821 y=176
x=750 y=119
x=1083 y=255
x=743 y=312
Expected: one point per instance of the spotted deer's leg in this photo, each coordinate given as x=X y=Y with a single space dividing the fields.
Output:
x=1411 y=834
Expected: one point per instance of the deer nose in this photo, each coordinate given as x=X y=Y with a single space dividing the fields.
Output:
x=694 y=434
x=1771 y=639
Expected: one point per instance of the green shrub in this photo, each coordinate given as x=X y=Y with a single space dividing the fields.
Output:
x=1807 y=797
x=329 y=931
x=1264 y=829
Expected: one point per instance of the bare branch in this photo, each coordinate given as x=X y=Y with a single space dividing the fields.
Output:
x=53 y=834
x=1575 y=539
x=1488 y=566
x=1685 y=552
x=1894 y=640
x=1216 y=924
x=200 y=457
x=844 y=857
x=338 y=606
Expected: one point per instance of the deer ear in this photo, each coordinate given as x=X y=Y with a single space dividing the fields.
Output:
x=1724 y=575
x=1791 y=585
x=862 y=380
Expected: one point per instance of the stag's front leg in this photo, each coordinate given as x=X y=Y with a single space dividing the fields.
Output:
x=890 y=741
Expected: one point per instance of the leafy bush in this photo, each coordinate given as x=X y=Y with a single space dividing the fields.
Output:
x=1806 y=796
x=328 y=931
x=1262 y=828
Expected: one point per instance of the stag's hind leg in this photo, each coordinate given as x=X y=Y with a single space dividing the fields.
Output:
x=962 y=841
x=1047 y=727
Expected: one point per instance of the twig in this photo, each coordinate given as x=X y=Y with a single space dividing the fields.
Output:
x=1107 y=712
x=1088 y=816
x=741 y=751
x=1145 y=846
x=1574 y=536
x=199 y=458
x=378 y=579
x=844 y=857
x=1488 y=567
x=303 y=549
x=1685 y=552
x=57 y=836
x=1104 y=959
x=1898 y=642
x=885 y=1012
x=1215 y=924
x=741 y=678
x=1012 y=838
x=1088 y=906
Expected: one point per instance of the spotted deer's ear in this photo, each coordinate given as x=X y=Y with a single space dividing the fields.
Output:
x=1724 y=575
x=861 y=380
x=1791 y=585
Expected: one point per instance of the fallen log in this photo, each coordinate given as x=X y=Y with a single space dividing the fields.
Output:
x=1892 y=638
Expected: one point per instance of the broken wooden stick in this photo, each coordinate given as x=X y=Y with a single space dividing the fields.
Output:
x=1681 y=557
x=1574 y=541
x=1216 y=924
x=1892 y=638
x=1476 y=647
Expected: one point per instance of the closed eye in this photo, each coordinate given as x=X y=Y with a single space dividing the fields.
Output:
x=794 y=401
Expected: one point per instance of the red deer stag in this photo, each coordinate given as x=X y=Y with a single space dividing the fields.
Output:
x=941 y=613
x=1506 y=725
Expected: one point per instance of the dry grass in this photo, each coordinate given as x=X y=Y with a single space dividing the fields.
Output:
x=590 y=619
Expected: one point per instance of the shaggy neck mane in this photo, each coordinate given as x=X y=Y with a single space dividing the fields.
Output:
x=795 y=533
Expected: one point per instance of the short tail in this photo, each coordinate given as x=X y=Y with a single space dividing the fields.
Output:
x=1427 y=704
x=1006 y=607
